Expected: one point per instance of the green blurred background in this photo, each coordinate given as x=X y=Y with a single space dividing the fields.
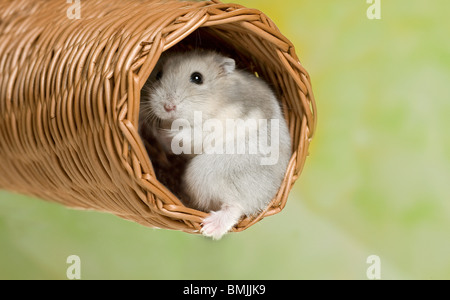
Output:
x=376 y=182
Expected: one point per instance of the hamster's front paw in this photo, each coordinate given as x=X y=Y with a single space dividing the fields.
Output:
x=220 y=222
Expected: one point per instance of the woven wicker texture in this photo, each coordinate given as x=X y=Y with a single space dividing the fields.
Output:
x=70 y=93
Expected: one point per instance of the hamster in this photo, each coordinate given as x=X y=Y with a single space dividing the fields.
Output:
x=229 y=124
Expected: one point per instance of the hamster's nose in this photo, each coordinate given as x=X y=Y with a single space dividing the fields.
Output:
x=169 y=107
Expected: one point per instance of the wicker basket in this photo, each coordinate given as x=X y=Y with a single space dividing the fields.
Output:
x=70 y=93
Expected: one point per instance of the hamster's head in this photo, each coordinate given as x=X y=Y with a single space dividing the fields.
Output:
x=184 y=83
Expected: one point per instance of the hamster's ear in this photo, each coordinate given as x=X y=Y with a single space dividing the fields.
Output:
x=227 y=65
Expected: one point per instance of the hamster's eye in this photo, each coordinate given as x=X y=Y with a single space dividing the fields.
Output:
x=197 y=78
x=159 y=75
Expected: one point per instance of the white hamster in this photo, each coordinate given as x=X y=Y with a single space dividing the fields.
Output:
x=230 y=125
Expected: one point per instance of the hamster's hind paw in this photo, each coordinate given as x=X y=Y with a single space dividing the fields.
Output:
x=218 y=223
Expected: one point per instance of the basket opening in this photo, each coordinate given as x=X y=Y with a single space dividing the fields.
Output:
x=252 y=54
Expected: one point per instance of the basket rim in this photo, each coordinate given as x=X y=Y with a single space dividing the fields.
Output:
x=267 y=30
